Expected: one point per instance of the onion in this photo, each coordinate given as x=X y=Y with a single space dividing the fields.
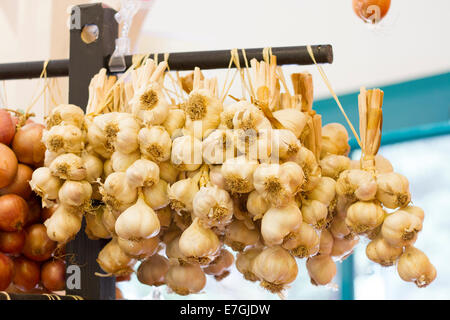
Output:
x=34 y=212
x=8 y=165
x=371 y=10
x=13 y=212
x=20 y=185
x=7 y=127
x=53 y=275
x=38 y=246
x=27 y=273
x=6 y=271
x=28 y=146
x=12 y=242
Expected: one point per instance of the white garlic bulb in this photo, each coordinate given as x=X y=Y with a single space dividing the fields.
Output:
x=181 y=194
x=116 y=192
x=175 y=120
x=120 y=162
x=68 y=166
x=93 y=165
x=332 y=165
x=45 y=184
x=63 y=225
x=238 y=236
x=257 y=205
x=381 y=252
x=244 y=263
x=75 y=195
x=306 y=159
x=277 y=223
x=302 y=243
x=364 y=216
x=216 y=177
x=293 y=120
x=139 y=249
x=400 y=228
x=324 y=192
x=202 y=112
x=185 y=279
x=334 y=140
x=65 y=114
x=321 y=269
x=186 y=153
x=155 y=143
x=227 y=115
x=142 y=173
x=218 y=146
x=238 y=174
x=315 y=213
x=213 y=206
x=393 y=190
x=150 y=105
x=357 y=183
x=66 y=138
x=414 y=266
x=168 y=172
x=156 y=195
x=113 y=260
x=285 y=144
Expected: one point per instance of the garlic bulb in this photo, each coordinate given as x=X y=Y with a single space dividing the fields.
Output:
x=278 y=223
x=165 y=217
x=107 y=168
x=186 y=153
x=168 y=172
x=357 y=183
x=93 y=165
x=244 y=263
x=68 y=166
x=380 y=251
x=326 y=242
x=95 y=229
x=324 y=192
x=415 y=211
x=150 y=105
x=285 y=144
x=139 y=249
x=276 y=268
x=185 y=279
x=400 y=228
x=174 y=121
x=120 y=162
x=393 y=190
x=97 y=140
x=342 y=248
x=142 y=173
x=66 y=138
x=181 y=194
x=321 y=269
x=334 y=140
x=173 y=251
x=238 y=236
x=155 y=143
x=302 y=243
x=332 y=165
x=63 y=225
x=65 y=114
x=218 y=267
x=306 y=159
x=227 y=115
x=199 y=244
x=382 y=165
x=153 y=270
x=257 y=205
x=156 y=196
x=238 y=174
x=216 y=177
x=113 y=260
x=278 y=183
x=218 y=146
x=213 y=206
x=414 y=266
x=49 y=156
x=109 y=220
x=75 y=195
x=339 y=229
x=293 y=120
x=202 y=112
x=315 y=213
x=364 y=216
x=126 y=139
x=45 y=184
x=116 y=191
x=137 y=222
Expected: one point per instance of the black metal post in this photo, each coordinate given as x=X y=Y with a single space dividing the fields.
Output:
x=85 y=61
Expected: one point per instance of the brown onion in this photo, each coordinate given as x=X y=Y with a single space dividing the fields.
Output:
x=20 y=184
x=27 y=273
x=6 y=271
x=34 y=212
x=28 y=146
x=7 y=127
x=8 y=166
x=12 y=242
x=53 y=275
x=38 y=246
x=13 y=212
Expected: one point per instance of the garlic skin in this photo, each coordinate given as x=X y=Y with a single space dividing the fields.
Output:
x=50 y=156
x=65 y=114
x=68 y=166
x=199 y=244
x=216 y=177
x=415 y=211
x=120 y=162
x=306 y=159
x=45 y=184
x=185 y=279
x=357 y=183
x=156 y=196
x=380 y=251
x=238 y=174
x=142 y=173
x=342 y=248
x=364 y=216
x=126 y=140
x=414 y=266
x=97 y=140
x=276 y=268
x=168 y=172
x=113 y=260
x=63 y=225
x=277 y=223
x=202 y=111
x=175 y=120
x=334 y=140
x=218 y=267
x=257 y=205
x=213 y=206
x=75 y=195
x=400 y=228
x=109 y=220
x=140 y=249
x=93 y=165
x=332 y=165
x=137 y=222
x=181 y=194
x=150 y=105
x=173 y=251
x=68 y=138
x=107 y=168
x=238 y=236
x=116 y=192
x=393 y=190
x=382 y=165
x=153 y=270
x=285 y=144
x=324 y=192
x=321 y=269
x=293 y=120
x=302 y=243
x=339 y=229
x=95 y=228
x=244 y=263
x=326 y=242
x=155 y=143
x=315 y=213
x=218 y=146
x=186 y=153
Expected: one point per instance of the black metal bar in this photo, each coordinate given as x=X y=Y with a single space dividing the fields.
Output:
x=178 y=61
x=85 y=61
